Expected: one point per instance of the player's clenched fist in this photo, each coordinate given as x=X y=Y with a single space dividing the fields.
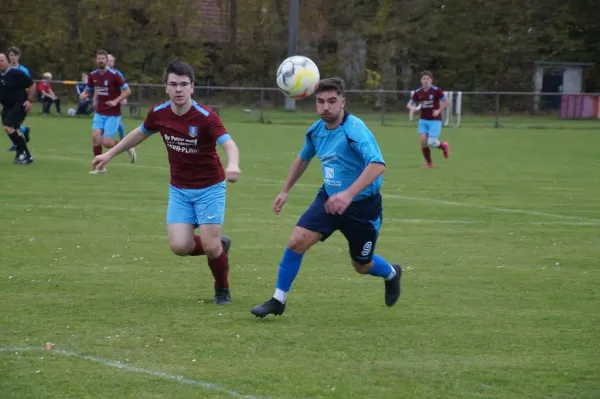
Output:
x=232 y=173
x=279 y=202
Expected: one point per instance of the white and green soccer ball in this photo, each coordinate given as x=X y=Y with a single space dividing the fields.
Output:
x=298 y=77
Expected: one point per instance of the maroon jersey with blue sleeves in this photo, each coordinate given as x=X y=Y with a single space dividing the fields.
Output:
x=191 y=140
x=429 y=100
x=107 y=86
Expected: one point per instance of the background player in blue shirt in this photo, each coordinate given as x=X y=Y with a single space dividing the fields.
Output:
x=349 y=199
x=14 y=54
x=111 y=65
x=85 y=106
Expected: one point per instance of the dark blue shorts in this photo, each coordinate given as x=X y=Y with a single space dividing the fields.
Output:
x=359 y=224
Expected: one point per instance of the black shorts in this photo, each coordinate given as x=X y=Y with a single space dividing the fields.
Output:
x=13 y=115
x=360 y=224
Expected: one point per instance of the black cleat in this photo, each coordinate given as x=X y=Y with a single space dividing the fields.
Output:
x=392 y=287
x=12 y=149
x=272 y=306
x=222 y=296
x=226 y=241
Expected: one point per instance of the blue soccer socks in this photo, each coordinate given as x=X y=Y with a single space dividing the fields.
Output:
x=288 y=270
x=381 y=268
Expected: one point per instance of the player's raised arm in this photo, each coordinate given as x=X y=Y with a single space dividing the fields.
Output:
x=30 y=92
x=125 y=91
x=413 y=102
x=300 y=164
x=297 y=169
x=138 y=135
x=366 y=178
x=88 y=88
x=232 y=171
x=223 y=138
x=124 y=94
x=363 y=143
x=443 y=102
x=131 y=140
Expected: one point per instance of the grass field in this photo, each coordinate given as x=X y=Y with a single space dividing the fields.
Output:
x=499 y=244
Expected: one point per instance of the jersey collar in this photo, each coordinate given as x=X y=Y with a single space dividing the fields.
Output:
x=346 y=115
x=344 y=119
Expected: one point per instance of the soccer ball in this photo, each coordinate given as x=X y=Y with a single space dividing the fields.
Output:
x=298 y=77
x=72 y=111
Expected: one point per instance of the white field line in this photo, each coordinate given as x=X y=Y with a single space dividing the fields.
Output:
x=491 y=208
x=392 y=196
x=133 y=369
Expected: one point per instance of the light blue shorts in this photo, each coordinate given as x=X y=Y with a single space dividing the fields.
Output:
x=197 y=206
x=108 y=124
x=432 y=129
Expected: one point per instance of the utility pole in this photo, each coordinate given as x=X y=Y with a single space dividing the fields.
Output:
x=290 y=103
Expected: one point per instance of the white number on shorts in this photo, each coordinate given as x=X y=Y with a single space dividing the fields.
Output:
x=367 y=248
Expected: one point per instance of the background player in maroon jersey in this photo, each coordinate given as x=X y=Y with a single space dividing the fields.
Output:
x=109 y=89
x=191 y=132
x=433 y=101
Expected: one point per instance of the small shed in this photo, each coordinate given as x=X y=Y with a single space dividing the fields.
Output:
x=556 y=77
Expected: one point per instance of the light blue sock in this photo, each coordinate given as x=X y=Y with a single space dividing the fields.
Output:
x=381 y=268
x=288 y=270
x=24 y=129
x=121 y=130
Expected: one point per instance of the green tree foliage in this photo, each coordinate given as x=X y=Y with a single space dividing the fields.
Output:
x=469 y=44
x=586 y=29
x=492 y=45
x=63 y=35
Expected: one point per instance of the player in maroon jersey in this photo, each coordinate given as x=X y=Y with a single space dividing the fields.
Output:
x=432 y=101
x=191 y=132
x=109 y=89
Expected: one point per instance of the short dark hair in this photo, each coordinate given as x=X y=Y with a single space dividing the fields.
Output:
x=427 y=73
x=14 y=49
x=102 y=52
x=180 y=68
x=331 y=84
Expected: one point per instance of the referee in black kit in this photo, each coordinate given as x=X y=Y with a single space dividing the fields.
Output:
x=16 y=94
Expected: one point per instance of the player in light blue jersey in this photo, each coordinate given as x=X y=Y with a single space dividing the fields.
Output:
x=349 y=199
x=111 y=65
x=22 y=68
x=85 y=105
x=14 y=54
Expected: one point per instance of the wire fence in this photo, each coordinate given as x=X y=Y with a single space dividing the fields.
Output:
x=387 y=107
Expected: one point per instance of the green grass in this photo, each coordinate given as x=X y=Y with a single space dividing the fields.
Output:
x=499 y=244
